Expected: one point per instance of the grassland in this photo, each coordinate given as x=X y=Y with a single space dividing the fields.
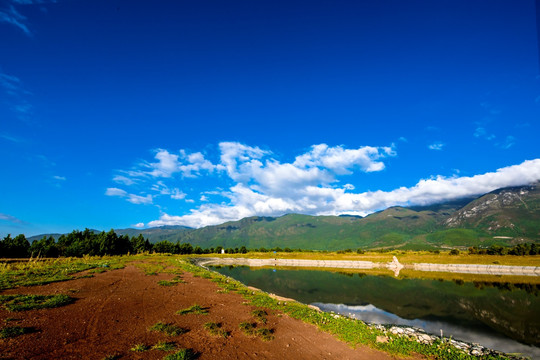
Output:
x=352 y=331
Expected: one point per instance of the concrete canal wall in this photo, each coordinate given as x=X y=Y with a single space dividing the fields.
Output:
x=479 y=269
x=394 y=265
x=339 y=264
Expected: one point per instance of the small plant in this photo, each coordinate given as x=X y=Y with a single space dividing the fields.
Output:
x=265 y=334
x=173 y=282
x=247 y=328
x=14 y=331
x=111 y=357
x=34 y=302
x=168 y=329
x=260 y=315
x=194 y=309
x=139 y=348
x=182 y=354
x=164 y=346
x=215 y=329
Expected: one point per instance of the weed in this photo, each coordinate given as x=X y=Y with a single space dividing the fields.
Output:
x=164 y=346
x=42 y=272
x=139 y=348
x=182 y=354
x=215 y=329
x=260 y=315
x=14 y=331
x=33 y=302
x=111 y=357
x=168 y=329
x=194 y=309
x=247 y=328
x=173 y=282
x=265 y=334
x=98 y=270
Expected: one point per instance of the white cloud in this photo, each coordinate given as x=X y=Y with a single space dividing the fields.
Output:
x=177 y=194
x=123 y=180
x=481 y=132
x=335 y=201
x=166 y=166
x=61 y=178
x=132 y=198
x=137 y=199
x=508 y=142
x=10 y=218
x=139 y=225
x=341 y=161
x=15 y=91
x=436 y=146
x=11 y=16
x=115 y=192
x=310 y=184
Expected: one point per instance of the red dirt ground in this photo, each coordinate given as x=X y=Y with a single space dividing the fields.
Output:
x=114 y=310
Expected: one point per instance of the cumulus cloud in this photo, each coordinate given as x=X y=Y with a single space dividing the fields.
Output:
x=262 y=184
x=317 y=200
x=139 y=225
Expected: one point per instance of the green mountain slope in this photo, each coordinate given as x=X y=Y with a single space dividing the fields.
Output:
x=506 y=217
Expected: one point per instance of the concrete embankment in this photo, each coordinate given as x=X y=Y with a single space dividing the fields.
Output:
x=480 y=269
x=394 y=265
x=338 y=264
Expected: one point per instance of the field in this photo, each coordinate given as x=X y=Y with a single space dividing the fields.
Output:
x=162 y=307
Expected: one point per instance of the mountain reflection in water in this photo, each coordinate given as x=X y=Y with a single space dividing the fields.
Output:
x=481 y=335
x=502 y=316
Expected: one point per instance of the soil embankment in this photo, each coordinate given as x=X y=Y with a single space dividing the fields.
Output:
x=114 y=310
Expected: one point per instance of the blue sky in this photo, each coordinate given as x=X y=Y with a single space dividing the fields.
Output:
x=117 y=114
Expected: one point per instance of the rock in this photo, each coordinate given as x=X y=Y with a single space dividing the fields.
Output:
x=382 y=339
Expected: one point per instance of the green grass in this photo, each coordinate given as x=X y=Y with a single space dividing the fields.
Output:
x=260 y=315
x=182 y=354
x=168 y=329
x=173 y=282
x=265 y=334
x=139 y=348
x=248 y=328
x=193 y=309
x=34 y=272
x=215 y=329
x=34 y=302
x=14 y=331
x=164 y=346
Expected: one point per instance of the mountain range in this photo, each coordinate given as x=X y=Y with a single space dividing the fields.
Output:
x=505 y=216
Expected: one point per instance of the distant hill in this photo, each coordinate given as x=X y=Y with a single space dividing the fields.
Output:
x=506 y=217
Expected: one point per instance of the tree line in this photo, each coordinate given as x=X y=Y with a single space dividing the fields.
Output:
x=87 y=242
x=519 y=249
x=80 y=243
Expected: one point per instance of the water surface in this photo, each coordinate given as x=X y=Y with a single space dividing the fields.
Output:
x=496 y=314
